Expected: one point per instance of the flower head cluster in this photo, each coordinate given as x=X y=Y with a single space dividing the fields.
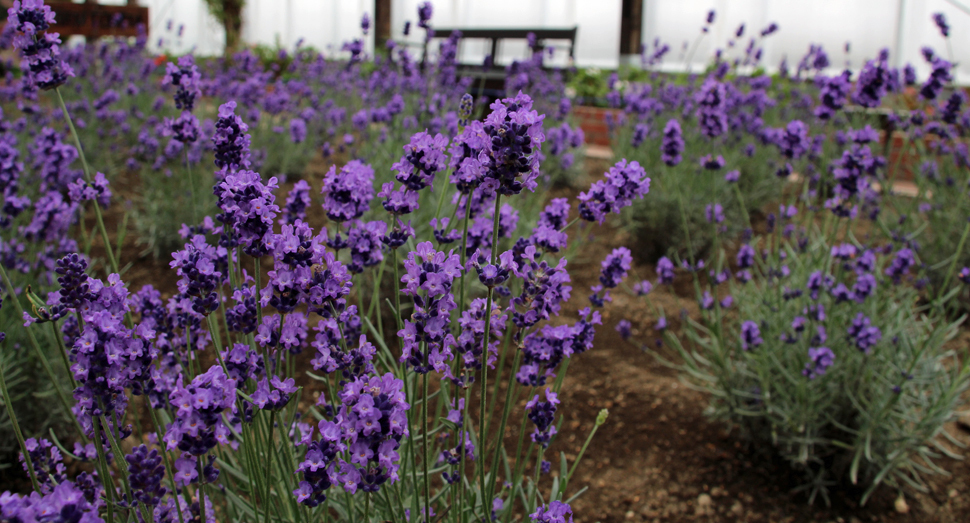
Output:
x=200 y=407
x=82 y=191
x=820 y=359
x=544 y=289
x=750 y=335
x=465 y=150
x=107 y=358
x=197 y=267
x=372 y=420
x=711 y=108
x=940 y=75
x=47 y=462
x=514 y=133
x=276 y=397
x=248 y=209
x=184 y=129
x=187 y=80
x=145 y=473
x=902 y=262
x=792 y=141
x=366 y=248
x=318 y=474
x=66 y=502
x=40 y=50
x=340 y=346
x=864 y=334
x=297 y=201
x=427 y=280
x=672 y=145
x=624 y=182
x=832 y=94
x=230 y=141
x=347 y=194
x=543 y=351
x=423 y=157
x=874 y=81
x=53 y=159
x=940 y=20
x=555 y=512
x=470 y=341
x=615 y=266
x=543 y=414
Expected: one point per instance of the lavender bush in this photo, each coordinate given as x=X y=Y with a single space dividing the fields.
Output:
x=820 y=339
x=199 y=407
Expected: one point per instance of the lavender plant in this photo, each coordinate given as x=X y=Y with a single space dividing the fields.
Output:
x=820 y=340
x=194 y=406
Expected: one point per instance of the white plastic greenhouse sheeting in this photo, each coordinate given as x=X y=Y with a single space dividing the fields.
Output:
x=904 y=26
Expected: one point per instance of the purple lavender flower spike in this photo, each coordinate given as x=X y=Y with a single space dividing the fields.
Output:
x=623 y=183
x=515 y=134
x=347 y=194
x=750 y=335
x=820 y=359
x=186 y=78
x=711 y=108
x=555 y=512
x=423 y=157
x=614 y=268
x=940 y=20
x=543 y=414
x=40 y=50
x=673 y=144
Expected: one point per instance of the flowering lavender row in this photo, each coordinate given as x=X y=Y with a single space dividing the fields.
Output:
x=822 y=316
x=206 y=387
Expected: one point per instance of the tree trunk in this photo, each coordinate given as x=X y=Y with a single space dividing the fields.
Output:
x=232 y=23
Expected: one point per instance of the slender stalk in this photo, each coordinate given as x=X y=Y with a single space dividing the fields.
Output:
x=165 y=457
x=956 y=259
x=87 y=177
x=107 y=483
x=62 y=350
x=16 y=430
x=427 y=444
x=202 y=495
x=483 y=406
x=269 y=468
x=510 y=399
x=600 y=419
x=40 y=353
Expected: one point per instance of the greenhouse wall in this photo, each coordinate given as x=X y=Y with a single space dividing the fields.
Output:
x=326 y=24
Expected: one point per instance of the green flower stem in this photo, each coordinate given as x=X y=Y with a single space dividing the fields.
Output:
x=956 y=259
x=519 y=462
x=511 y=397
x=168 y=465
x=109 y=489
x=269 y=468
x=464 y=247
x=744 y=207
x=87 y=177
x=201 y=492
x=40 y=353
x=16 y=430
x=600 y=420
x=483 y=406
x=62 y=350
x=427 y=442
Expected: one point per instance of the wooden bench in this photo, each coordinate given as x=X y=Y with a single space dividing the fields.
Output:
x=491 y=80
x=94 y=20
x=496 y=35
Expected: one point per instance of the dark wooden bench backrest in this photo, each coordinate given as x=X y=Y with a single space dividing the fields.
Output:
x=94 y=20
x=497 y=34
